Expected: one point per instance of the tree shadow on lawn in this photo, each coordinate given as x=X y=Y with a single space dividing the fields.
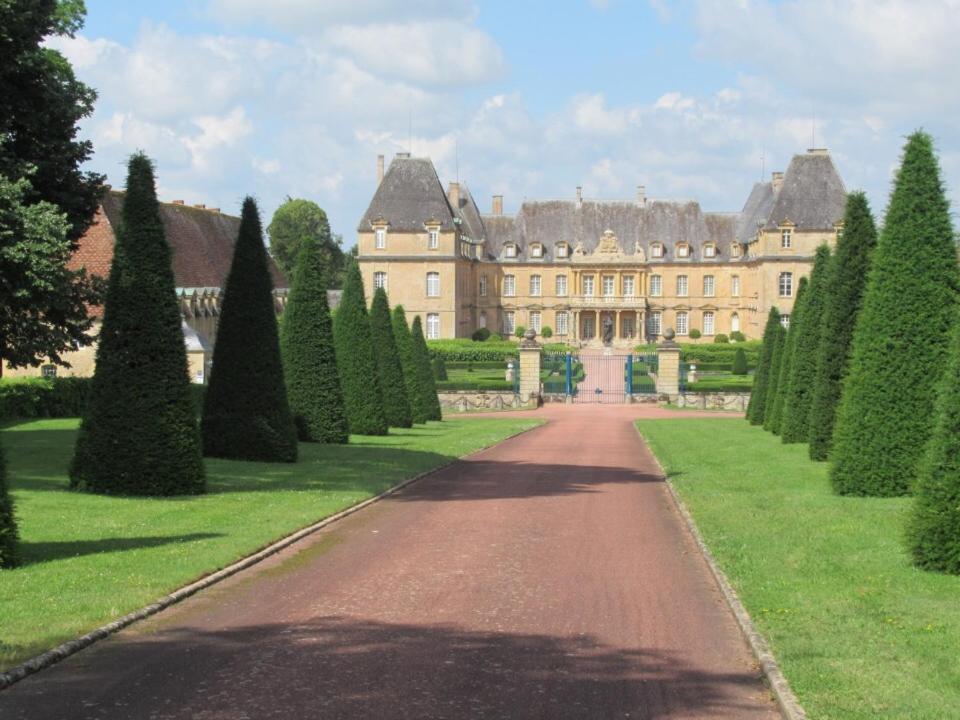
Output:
x=39 y=552
x=354 y=667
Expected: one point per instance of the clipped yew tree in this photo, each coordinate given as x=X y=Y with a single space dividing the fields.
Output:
x=758 y=395
x=933 y=530
x=359 y=375
x=739 y=366
x=9 y=554
x=139 y=432
x=786 y=364
x=246 y=415
x=404 y=340
x=424 y=370
x=841 y=305
x=799 y=385
x=900 y=344
x=773 y=381
x=396 y=404
x=309 y=359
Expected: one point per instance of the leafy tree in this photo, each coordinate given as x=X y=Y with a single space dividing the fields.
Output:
x=396 y=404
x=774 y=422
x=359 y=376
x=43 y=304
x=758 y=396
x=139 y=432
x=841 y=306
x=41 y=105
x=519 y=331
x=547 y=332
x=799 y=387
x=309 y=359
x=933 y=530
x=9 y=552
x=739 y=363
x=404 y=340
x=292 y=223
x=900 y=344
x=246 y=415
x=773 y=381
x=428 y=387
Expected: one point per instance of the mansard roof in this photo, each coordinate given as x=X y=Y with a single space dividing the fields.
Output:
x=812 y=196
x=755 y=212
x=409 y=195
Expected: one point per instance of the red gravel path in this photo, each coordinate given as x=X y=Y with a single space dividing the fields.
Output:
x=549 y=577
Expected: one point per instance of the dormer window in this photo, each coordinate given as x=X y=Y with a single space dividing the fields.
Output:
x=710 y=250
x=786 y=238
x=510 y=250
x=380 y=238
x=656 y=250
x=563 y=250
x=433 y=238
x=736 y=250
x=683 y=250
x=536 y=250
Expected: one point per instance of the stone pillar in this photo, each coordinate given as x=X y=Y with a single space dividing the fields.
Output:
x=530 y=367
x=668 y=365
x=617 y=329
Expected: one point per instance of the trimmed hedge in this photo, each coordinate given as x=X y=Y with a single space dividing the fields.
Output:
x=717 y=353
x=9 y=537
x=739 y=366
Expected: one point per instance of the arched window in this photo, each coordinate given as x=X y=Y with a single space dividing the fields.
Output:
x=709 y=250
x=735 y=323
x=562 y=250
x=483 y=319
x=683 y=250
x=510 y=250
x=656 y=250
x=536 y=250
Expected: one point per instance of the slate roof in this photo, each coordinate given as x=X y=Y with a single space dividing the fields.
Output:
x=409 y=195
x=813 y=195
x=755 y=212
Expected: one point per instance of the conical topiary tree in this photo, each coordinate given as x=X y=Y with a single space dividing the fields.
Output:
x=739 y=366
x=359 y=377
x=309 y=359
x=246 y=415
x=401 y=333
x=795 y=424
x=902 y=335
x=139 y=432
x=774 y=421
x=933 y=530
x=758 y=395
x=9 y=552
x=396 y=405
x=773 y=382
x=424 y=370
x=841 y=306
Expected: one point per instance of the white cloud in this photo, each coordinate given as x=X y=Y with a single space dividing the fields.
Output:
x=267 y=167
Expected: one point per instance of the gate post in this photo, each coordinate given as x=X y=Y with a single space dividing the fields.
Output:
x=530 y=367
x=568 y=390
x=668 y=365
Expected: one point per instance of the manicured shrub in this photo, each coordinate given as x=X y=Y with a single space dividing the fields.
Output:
x=933 y=530
x=440 y=369
x=359 y=376
x=9 y=552
x=739 y=363
x=547 y=332
x=798 y=384
x=841 y=306
x=775 y=417
x=309 y=359
x=496 y=337
x=396 y=405
x=519 y=331
x=139 y=432
x=246 y=415
x=480 y=335
x=428 y=388
x=695 y=334
x=900 y=344
x=408 y=363
x=758 y=396
x=721 y=339
x=773 y=381
x=737 y=336
x=713 y=353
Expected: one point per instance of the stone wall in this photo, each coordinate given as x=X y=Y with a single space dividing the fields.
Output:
x=467 y=401
x=736 y=401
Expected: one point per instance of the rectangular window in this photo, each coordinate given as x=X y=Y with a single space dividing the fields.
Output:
x=483 y=286
x=682 y=324
x=536 y=251
x=588 y=328
x=627 y=323
x=509 y=324
x=534 y=284
x=786 y=238
x=656 y=250
x=735 y=250
x=656 y=286
x=380 y=280
x=561 y=285
x=683 y=251
x=433 y=238
x=510 y=251
x=588 y=285
x=628 y=285
x=562 y=323
x=681 y=285
x=48 y=371
x=735 y=286
x=381 y=238
x=708 y=323
x=562 y=250
x=433 y=284
x=708 y=286
x=433 y=326
x=785 y=321
x=709 y=251
x=608 y=285
x=535 y=320
x=654 y=323
x=786 y=284
x=509 y=285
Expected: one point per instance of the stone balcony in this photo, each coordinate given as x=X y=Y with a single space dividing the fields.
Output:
x=608 y=302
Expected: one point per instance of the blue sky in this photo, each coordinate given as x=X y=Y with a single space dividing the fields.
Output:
x=527 y=99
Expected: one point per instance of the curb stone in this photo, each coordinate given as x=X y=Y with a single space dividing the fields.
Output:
x=787 y=702
x=65 y=650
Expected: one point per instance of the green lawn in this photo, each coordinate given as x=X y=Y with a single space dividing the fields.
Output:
x=90 y=559
x=859 y=633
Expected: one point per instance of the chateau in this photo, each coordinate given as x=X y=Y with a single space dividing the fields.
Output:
x=578 y=266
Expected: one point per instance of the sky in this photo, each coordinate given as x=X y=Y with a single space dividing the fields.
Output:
x=525 y=99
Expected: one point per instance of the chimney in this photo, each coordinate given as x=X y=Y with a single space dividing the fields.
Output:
x=642 y=195
x=498 y=204
x=403 y=156
x=379 y=169
x=777 y=181
x=178 y=202
x=200 y=206
x=453 y=194
x=579 y=197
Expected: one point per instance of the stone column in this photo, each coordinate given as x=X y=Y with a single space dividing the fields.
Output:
x=617 y=330
x=530 y=367
x=668 y=365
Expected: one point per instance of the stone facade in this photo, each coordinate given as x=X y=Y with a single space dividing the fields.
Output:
x=570 y=265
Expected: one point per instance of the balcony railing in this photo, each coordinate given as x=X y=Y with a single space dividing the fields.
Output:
x=632 y=302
